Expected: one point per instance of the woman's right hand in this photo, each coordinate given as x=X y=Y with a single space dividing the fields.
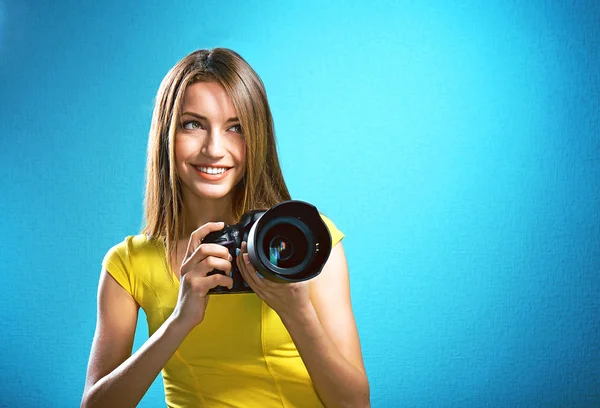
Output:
x=199 y=260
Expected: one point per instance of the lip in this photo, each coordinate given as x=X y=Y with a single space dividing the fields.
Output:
x=212 y=177
x=216 y=166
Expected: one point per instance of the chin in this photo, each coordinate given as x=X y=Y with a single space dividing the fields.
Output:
x=213 y=194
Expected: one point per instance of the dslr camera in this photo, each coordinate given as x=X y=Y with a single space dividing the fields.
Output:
x=287 y=243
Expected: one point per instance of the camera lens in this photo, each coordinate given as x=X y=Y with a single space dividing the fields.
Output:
x=280 y=249
x=286 y=245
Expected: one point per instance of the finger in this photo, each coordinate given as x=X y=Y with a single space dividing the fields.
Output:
x=244 y=271
x=207 y=265
x=198 y=235
x=205 y=250
x=250 y=275
x=251 y=269
x=213 y=281
x=245 y=260
x=202 y=284
x=246 y=257
x=240 y=264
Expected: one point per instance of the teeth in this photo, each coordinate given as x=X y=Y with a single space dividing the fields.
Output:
x=212 y=170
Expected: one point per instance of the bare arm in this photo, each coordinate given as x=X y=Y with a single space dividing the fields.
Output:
x=327 y=338
x=117 y=378
x=114 y=376
x=318 y=315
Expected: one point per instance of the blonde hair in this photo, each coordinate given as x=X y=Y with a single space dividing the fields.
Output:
x=262 y=185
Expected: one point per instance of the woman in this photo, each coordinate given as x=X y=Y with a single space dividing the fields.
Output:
x=211 y=157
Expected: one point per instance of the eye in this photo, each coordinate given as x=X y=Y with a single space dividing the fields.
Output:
x=237 y=128
x=191 y=125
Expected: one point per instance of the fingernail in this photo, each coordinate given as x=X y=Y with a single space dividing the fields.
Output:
x=230 y=258
x=231 y=274
x=259 y=275
x=246 y=259
x=237 y=251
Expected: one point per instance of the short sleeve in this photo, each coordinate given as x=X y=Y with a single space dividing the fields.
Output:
x=117 y=264
x=336 y=234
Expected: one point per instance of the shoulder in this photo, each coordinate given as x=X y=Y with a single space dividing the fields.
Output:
x=130 y=247
x=334 y=231
x=121 y=259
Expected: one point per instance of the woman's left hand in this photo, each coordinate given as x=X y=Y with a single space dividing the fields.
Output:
x=287 y=299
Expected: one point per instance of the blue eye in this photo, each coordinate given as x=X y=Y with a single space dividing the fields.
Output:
x=238 y=127
x=191 y=125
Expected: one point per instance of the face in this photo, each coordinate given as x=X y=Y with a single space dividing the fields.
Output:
x=209 y=144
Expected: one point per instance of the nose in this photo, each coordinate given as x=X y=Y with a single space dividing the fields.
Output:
x=213 y=147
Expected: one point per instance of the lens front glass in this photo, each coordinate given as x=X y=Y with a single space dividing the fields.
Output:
x=286 y=245
x=280 y=249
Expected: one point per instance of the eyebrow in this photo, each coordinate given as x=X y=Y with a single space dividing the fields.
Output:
x=234 y=119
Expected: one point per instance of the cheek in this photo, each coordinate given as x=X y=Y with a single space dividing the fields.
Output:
x=240 y=158
x=183 y=148
x=178 y=154
x=237 y=151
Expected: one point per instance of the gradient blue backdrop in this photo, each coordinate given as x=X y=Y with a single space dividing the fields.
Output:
x=455 y=143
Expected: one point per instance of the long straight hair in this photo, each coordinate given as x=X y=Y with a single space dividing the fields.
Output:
x=262 y=185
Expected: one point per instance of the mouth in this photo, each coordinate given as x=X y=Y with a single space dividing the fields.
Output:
x=211 y=169
x=212 y=173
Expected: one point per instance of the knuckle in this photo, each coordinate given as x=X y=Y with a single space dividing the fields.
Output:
x=224 y=280
x=223 y=264
x=196 y=285
x=186 y=279
x=211 y=262
x=201 y=250
x=189 y=279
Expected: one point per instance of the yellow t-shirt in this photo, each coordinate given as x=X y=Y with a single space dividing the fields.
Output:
x=241 y=355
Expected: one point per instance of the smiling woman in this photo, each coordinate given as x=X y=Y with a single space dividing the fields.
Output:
x=212 y=157
x=209 y=146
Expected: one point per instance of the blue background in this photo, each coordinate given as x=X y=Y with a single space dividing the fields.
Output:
x=456 y=144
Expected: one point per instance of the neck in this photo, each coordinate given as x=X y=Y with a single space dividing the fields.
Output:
x=198 y=211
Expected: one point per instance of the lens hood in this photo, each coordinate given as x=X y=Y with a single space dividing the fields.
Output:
x=289 y=242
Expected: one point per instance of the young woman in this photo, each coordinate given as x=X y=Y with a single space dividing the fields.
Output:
x=211 y=157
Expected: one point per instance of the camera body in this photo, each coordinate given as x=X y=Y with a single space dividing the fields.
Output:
x=287 y=243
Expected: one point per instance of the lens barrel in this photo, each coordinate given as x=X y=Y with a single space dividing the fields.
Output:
x=290 y=242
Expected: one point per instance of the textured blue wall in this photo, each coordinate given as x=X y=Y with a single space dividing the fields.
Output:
x=456 y=144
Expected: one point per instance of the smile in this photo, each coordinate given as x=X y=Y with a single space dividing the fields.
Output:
x=212 y=173
x=211 y=170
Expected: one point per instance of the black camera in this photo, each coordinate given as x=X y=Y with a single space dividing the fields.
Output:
x=287 y=243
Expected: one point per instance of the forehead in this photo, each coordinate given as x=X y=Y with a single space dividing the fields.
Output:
x=208 y=99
